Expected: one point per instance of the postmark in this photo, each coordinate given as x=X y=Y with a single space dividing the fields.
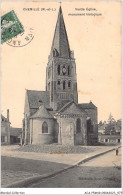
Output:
x=22 y=39
x=10 y=26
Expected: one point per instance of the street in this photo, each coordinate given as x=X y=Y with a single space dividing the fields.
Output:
x=17 y=169
x=104 y=171
x=101 y=172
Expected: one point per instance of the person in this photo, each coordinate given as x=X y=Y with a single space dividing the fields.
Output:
x=116 y=151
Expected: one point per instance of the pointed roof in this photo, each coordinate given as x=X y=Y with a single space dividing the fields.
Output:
x=42 y=113
x=60 y=43
x=35 y=97
x=70 y=107
x=89 y=105
x=3 y=118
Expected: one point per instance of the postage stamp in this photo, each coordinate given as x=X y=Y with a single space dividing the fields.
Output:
x=10 y=26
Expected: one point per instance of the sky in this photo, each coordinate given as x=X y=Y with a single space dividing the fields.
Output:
x=96 y=41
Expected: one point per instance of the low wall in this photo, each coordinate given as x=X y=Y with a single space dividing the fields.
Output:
x=43 y=139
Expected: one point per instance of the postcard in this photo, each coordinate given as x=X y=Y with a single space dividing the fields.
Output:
x=61 y=97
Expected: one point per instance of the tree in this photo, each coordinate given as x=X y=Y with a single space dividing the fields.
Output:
x=100 y=123
x=110 y=127
x=111 y=119
x=118 y=126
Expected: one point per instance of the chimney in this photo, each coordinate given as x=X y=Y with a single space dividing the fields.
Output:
x=8 y=114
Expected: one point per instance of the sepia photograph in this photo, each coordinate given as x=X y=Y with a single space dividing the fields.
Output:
x=61 y=116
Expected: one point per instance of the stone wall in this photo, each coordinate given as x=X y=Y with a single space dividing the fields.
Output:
x=69 y=93
x=67 y=131
x=108 y=139
x=26 y=106
x=37 y=137
x=92 y=113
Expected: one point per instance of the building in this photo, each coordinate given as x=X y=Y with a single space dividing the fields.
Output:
x=110 y=139
x=9 y=135
x=15 y=135
x=54 y=115
x=5 y=129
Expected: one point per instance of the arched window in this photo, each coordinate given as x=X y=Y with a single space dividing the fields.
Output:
x=78 y=125
x=64 y=85
x=58 y=82
x=55 y=53
x=44 y=127
x=69 y=84
x=68 y=70
x=49 y=86
x=58 y=69
x=49 y=72
x=89 y=126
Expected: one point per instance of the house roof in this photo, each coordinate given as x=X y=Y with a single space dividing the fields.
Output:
x=42 y=112
x=15 y=131
x=71 y=108
x=62 y=103
x=109 y=136
x=36 y=97
x=3 y=117
x=89 y=105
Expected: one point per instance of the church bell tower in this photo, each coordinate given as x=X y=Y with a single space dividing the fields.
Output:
x=61 y=78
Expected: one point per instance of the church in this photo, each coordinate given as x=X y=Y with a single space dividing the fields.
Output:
x=54 y=115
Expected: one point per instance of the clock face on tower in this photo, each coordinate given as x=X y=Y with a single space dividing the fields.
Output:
x=64 y=70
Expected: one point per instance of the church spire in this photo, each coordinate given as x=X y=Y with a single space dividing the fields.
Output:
x=60 y=45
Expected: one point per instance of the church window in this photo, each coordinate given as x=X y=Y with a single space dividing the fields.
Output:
x=118 y=140
x=49 y=72
x=64 y=85
x=49 y=86
x=68 y=70
x=51 y=97
x=69 y=84
x=58 y=82
x=54 y=85
x=75 y=86
x=90 y=127
x=106 y=140
x=2 y=138
x=44 y=127
x=58 y=69
x=55 y=53
x=78 y=125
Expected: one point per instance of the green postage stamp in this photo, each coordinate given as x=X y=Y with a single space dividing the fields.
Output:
x=10 y=26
